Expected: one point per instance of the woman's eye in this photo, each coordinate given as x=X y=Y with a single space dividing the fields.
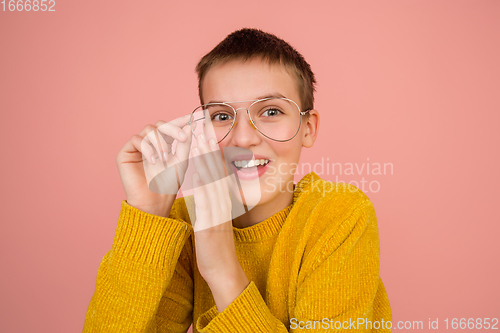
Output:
x=221 y=117
x=271 y=112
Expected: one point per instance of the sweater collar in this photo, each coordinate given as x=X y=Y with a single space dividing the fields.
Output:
x=271 y=226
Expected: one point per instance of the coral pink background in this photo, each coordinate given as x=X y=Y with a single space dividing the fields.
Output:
x=412 y=83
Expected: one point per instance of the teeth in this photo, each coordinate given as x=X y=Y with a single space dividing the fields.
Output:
x=250 y=163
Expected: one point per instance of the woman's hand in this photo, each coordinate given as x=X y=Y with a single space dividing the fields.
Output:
x=154 y=143
x=214 y=239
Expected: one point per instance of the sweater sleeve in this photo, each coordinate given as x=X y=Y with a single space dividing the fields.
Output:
x=142 y=273
x=338 y=283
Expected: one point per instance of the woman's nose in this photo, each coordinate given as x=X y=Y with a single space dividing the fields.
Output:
x=244 y=133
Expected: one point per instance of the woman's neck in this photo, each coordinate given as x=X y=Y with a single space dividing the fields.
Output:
x=263 y=211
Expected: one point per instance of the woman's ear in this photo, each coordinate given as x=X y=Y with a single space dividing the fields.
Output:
x=311 y=127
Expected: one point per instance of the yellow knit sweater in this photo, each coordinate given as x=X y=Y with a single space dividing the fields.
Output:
x=314 y=265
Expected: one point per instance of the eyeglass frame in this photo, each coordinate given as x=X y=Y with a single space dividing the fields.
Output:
x=255 y=101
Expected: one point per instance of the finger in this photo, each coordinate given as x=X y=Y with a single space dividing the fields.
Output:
x=202 y=205
x=213 y=158
x=133 y=146
x=162 y=137
x=219 y=161
x=209 y=214
x=218 y=191
x=179 y=122
x=216 y=153
x=201 y=168
x=203 y=180
x=158 y=143
x=199 y=194
x=149 y=137
x=183 y=148
x=208 y=155
x=171 y=131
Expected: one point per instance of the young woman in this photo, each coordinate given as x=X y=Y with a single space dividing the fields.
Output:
x=305 y=257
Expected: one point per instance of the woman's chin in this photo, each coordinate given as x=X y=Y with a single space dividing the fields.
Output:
x=247 y=194
x=254 y=193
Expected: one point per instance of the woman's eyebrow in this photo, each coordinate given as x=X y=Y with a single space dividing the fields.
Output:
x=276 y=94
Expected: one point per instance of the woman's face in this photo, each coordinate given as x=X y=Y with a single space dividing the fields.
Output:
x=241 y=81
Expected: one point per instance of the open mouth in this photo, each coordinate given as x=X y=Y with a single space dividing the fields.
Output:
x=247 y=165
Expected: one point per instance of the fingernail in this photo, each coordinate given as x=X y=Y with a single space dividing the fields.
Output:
x=212 y=143
x=164 y=156
x=196 y=151
x=202 y=137
x=196 y=177
x=153 y=159
x=182 y=135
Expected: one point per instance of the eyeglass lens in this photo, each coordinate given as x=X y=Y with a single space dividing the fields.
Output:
x=278 y=119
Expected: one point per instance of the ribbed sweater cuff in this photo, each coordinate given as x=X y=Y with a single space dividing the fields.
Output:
x=247 y=313
x=149 y=239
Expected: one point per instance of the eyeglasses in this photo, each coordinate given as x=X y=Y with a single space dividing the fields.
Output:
x=277 y=118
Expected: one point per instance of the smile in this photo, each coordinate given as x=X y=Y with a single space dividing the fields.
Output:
x=242 y=164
